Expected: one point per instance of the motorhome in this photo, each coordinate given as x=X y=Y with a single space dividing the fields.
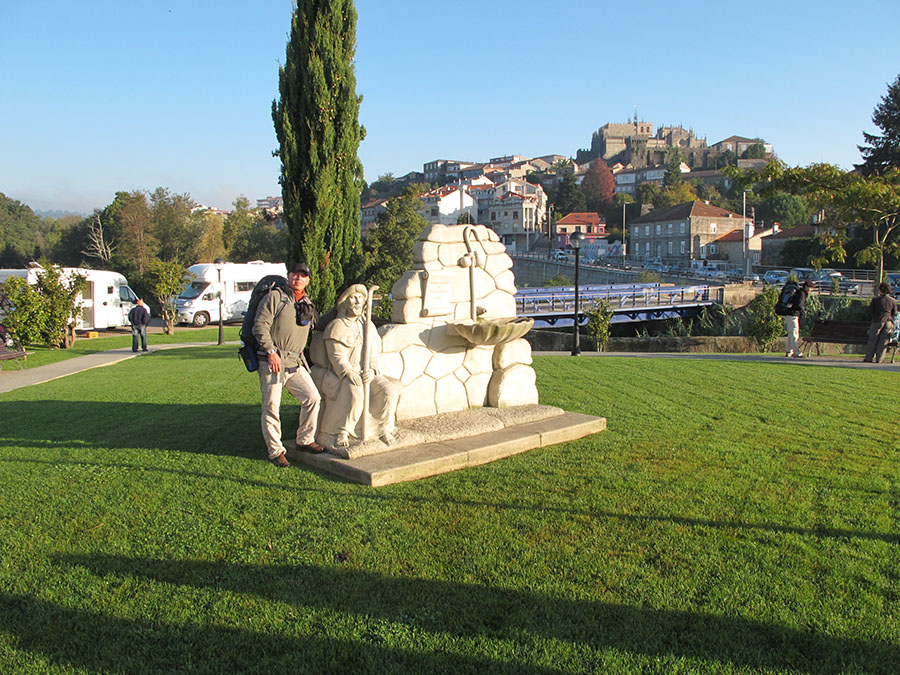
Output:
x=198 y=303
x=105 y=300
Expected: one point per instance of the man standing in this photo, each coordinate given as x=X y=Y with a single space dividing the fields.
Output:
x=791 y=303
x=884 y=311
x=282 y=328
x=139 y=318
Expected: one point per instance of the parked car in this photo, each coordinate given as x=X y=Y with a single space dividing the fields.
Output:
x=776 y=277
x=559 y=255
x=823 y=280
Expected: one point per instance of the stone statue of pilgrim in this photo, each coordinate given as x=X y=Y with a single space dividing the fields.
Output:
x=359 y=390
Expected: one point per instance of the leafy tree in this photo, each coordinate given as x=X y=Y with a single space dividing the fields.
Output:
x=18 y=225
x=787 y=209
x=598 y=186
x=260 y=241
x=727 y=158
x=138 y=244
x=675 y=194
x=389 y=246
x=648 y=194
x=754 y=151
x=848 y=198
x=569 y=197
x=883 y=152
x=165 y=281
x=174 y=228
x=238 y=222
x=317 y=125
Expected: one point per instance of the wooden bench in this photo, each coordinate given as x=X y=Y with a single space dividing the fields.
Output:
x=7 y=354
x=844 y=333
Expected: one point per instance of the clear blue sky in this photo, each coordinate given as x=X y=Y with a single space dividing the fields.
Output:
x=108 y=95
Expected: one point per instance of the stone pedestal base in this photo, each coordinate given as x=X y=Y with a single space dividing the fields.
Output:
x=433 y=445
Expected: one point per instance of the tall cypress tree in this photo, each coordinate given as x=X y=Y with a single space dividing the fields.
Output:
x=317 y=124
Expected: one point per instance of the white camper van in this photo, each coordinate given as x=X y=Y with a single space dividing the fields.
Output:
x=105 y=301
x=198 y=304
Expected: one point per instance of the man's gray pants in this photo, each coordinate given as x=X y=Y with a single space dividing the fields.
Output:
x=302 y=388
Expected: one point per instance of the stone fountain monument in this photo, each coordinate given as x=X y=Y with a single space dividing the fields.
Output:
x=447 y=384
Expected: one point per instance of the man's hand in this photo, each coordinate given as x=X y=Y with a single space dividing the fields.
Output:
x=274 y=362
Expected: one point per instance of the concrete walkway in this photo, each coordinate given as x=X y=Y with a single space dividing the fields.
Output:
x=15 y=379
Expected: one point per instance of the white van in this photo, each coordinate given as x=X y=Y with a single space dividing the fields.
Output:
x=105 y=301
x=198 y=304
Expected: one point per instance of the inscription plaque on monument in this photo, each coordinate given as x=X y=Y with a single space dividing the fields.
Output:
x=438 y=296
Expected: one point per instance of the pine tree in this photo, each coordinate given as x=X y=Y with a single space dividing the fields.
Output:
x=883 y=152
x=318 y=130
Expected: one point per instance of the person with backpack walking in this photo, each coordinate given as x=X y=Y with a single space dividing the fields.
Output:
x=282 y=325
x=884 y=312
x=790 y=305
x=139 y=318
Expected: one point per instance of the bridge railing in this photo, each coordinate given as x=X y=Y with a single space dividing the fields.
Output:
x=558 y=300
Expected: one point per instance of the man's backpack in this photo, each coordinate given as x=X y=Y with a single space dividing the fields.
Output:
x=249 y=345
x=785 y=304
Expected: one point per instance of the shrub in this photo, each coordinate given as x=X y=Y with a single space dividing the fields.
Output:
x=558 y=280
x=43 y=313
x=762 y=324
x=599 y=318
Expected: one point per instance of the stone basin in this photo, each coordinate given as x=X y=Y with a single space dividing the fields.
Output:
x=492 y=331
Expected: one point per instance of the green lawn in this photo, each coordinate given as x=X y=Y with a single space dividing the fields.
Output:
x=735 y=517
x=41 y=356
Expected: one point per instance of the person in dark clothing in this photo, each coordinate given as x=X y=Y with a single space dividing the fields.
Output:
x=139 y=317
x=884 y=311
x=792 y=320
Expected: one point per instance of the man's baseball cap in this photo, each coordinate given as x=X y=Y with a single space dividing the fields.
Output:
x=299 y=268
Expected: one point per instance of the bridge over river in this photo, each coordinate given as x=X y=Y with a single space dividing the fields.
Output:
x=555 y=306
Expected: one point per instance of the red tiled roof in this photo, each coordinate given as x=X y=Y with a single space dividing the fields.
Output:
x=733 y=235
x=580 y=218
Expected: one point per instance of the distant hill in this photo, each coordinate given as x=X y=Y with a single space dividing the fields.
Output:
x=56 y=214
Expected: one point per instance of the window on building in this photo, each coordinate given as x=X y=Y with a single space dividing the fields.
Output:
x=669 y=228
x=493 y=215
x=713 y=248
x=713 y=228
x=647 y=230
x=658 y=228
x=682 y=228
x=434 y=212
x=647 y=248
x=515 y=215
x=683 y=247
x=670 y=248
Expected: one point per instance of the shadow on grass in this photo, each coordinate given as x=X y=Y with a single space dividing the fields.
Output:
x=216 y=429
x=79 y=639
x=443 y=608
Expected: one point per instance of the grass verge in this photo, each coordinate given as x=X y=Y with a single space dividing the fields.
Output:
x=735 y=517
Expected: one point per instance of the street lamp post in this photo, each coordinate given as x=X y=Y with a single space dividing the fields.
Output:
x=218 y=262
x=575 y=240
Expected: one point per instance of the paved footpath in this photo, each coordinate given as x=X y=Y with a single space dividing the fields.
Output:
x=14 y=379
